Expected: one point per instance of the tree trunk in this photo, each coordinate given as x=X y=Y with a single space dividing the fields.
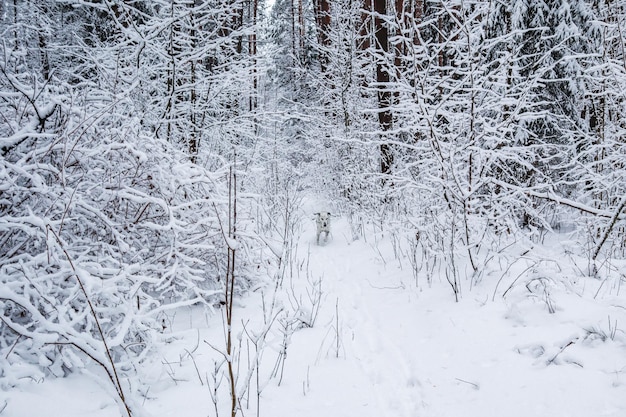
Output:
x=322 y=18
x=193 y=134
x=385 y=117
x=253 y=54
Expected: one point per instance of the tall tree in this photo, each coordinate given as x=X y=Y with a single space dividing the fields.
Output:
x=323 y=20
x=385 y=116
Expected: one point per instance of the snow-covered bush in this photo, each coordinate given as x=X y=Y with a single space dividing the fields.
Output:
x=103 y=227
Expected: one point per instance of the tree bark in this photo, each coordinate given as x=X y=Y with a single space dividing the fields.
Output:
x=385 y=116
x=322 y=18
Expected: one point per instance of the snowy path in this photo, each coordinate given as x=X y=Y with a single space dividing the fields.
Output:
x=371 y=329
x=381 y=328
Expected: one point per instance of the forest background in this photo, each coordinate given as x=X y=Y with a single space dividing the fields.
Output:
x=155 y=153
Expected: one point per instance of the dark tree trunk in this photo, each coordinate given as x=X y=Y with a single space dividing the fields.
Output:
x=322 y=18
x=385 y=117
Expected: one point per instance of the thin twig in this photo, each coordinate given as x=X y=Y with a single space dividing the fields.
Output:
x=568 y=344
x=609 y=228
x=476 y=386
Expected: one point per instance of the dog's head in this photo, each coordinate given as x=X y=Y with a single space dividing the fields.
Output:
x=323 y=219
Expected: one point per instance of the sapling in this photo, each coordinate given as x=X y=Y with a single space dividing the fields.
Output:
x=287 y=329
x=337 y=332
x=229 y=285
x=230 y=238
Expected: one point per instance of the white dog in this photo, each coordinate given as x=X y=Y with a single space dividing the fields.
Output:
x=323 y=225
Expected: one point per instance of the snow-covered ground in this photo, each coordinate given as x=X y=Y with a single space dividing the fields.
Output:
x=385 y=344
